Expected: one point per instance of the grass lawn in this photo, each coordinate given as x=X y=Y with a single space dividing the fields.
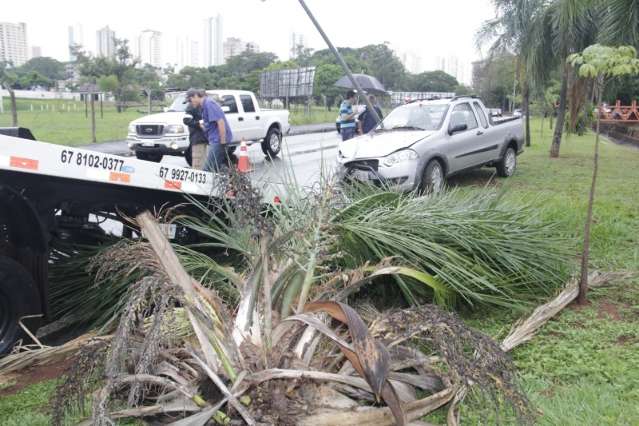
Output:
x=64 y=122
x=583 y=366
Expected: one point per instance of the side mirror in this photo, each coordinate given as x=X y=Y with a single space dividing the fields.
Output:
x=188 y=120
x=457 y=128
x=226 y=108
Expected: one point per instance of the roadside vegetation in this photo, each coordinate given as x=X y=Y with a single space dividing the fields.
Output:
x=581 y=367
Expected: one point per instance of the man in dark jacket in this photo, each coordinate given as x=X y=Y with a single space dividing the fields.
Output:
x=367 y=121
x=197 y=139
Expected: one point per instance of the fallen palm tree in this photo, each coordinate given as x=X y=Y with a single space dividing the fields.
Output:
x=258 y=378
x=226 y=329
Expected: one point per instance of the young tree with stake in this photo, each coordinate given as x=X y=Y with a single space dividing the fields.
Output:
x=599 y=63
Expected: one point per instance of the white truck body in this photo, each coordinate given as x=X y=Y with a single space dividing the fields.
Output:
x=160 y=134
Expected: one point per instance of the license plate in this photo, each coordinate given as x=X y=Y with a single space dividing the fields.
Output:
x=361 y=175
x=147 y=144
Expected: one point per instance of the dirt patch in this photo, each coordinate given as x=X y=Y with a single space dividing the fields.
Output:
x=29 y=376
x=607 y=310
x=626 y=339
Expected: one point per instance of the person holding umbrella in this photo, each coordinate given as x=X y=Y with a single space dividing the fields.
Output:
x=367 y=121
x=348 y=126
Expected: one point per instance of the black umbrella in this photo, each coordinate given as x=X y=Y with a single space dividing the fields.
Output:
x=368 y=83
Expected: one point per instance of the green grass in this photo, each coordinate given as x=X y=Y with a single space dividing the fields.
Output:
x=65 y=123
x=317 y=115
x=27 y=407
x=582 y=368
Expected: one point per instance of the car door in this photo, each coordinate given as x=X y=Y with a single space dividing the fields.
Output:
x=233 y=116
x=251 y=117
x=487 y=148
x=461 y=145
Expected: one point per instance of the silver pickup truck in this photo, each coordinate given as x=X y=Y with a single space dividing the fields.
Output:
x=418 y=145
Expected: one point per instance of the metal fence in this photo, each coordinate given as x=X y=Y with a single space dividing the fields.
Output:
x=290 y=83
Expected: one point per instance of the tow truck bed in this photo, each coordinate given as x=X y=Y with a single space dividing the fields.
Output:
x=50 y=191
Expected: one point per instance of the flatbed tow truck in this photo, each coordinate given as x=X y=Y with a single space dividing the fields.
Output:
x=51 y=192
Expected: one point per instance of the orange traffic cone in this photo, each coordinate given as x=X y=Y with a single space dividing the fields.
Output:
x=243 y=164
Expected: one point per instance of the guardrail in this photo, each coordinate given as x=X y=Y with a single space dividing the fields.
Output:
x=619 y=113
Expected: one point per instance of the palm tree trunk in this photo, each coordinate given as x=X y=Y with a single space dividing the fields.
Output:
x=561 y=114
x=14 y=107
x=583 y=281
x=526 y=99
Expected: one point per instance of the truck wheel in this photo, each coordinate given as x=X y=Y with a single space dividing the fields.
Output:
x=230 y=150
x=508 y=163
x=272 y=143
x=433 y=178
x=19 y=296
x=146 y=156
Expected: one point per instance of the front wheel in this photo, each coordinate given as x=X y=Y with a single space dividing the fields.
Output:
x=148 y=156
x=272 y=143
x=433 y=178
x=508 y=163
x=19 y=297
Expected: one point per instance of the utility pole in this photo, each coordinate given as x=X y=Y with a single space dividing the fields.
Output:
x=341 y=61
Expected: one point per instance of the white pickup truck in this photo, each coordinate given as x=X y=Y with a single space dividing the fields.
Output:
x=155 y=135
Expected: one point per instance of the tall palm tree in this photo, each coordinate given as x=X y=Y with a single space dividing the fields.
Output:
x=620 y=22
x=565 y=27
x=511 y=31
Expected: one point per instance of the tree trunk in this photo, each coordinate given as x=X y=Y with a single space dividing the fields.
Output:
x=561 y=114
x=14 y=108
x=93 y=139
x=583 y=281
x=526 y=99
x=150 y=104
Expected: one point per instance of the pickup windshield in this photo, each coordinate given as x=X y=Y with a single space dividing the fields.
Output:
x=178 y=104
x=415 y=117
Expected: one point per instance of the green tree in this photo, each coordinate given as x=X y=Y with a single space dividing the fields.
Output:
x=565 y=27
x=493 y=80
x=620 y=22
x=512 y=31
x=433 y=81
x=324 y=85
x=33 y=79
x=9 y=80
x=599 y=63
x=45 y=66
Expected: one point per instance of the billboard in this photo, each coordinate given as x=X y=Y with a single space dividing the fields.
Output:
x=290 y=83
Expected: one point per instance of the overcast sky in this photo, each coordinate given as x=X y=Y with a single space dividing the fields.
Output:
x=429 y=28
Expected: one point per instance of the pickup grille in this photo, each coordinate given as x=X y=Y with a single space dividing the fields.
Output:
x=368 y=165
x=149 y=130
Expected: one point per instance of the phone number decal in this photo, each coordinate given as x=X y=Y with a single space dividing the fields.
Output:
x=183 y=175
x=82 y=159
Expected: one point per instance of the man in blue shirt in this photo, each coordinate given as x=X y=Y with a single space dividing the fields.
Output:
x=217 y=129
x=348 y=127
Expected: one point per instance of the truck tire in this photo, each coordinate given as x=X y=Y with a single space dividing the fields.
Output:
x=433 y=178
x=508 y=164
x=272 y=143
x=19 y=296
x=230 y=150
x=148 y=156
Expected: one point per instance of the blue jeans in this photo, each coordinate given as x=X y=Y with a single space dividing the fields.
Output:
x=216 y=159
x=347 y=133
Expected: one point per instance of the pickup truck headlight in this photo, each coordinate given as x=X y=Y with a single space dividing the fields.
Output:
x=174 y=129
x=399 y=157
x=132 y=129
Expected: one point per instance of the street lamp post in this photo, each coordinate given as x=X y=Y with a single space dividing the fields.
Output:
x=341 y=61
